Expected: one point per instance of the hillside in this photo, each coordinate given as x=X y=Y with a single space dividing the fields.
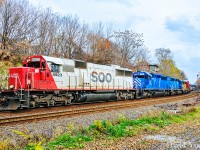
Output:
x=7 y=60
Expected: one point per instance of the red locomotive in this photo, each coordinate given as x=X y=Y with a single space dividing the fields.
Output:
x=50 y=81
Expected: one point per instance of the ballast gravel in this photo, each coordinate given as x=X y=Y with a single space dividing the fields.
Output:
x=47 y=128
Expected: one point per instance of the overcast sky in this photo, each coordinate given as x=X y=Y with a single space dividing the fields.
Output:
x=173 y=24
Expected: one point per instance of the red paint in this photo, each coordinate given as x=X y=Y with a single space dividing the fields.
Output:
x=18 y=77
x=188 y=85
x=30 y=77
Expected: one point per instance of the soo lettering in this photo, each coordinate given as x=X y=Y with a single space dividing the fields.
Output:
x=101 y=77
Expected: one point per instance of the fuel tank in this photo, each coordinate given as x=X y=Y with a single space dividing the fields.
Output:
x=92 y=97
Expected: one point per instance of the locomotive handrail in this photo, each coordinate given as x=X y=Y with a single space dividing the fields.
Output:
x=20 y=86
x=15 y=87
x=31 y=81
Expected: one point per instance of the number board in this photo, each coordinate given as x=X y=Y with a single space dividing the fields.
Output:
x=35 y=59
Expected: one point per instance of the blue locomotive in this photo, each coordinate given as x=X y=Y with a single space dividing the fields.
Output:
x=153 y=84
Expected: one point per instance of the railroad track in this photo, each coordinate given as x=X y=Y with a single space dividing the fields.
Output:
x=78 y=111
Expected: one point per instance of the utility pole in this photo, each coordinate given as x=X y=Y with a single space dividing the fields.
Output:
x=198 y=80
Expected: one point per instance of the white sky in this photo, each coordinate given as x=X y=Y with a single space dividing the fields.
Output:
x=173 y=24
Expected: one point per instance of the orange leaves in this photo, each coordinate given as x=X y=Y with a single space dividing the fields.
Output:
x=103 y=44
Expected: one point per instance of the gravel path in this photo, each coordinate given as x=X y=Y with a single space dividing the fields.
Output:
x=47 y=128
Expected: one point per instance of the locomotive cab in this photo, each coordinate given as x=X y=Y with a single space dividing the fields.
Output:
x=39 y=64
x=141 y=79
x=35 y=74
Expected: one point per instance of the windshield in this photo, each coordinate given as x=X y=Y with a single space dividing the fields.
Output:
x=139 y=76
x=34 y=64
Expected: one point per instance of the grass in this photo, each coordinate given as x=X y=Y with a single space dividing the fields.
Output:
x=69 y=141
x=122 y=127
x=107 y=130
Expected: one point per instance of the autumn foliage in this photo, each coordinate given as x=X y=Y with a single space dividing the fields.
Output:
x=27 y=30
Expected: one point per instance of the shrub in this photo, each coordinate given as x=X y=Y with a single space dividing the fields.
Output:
x=5 y=144
x=68 y=141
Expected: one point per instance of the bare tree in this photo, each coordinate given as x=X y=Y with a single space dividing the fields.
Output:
x=100 y=47
x=27 y=30
x=18 y=20
x=128 y=42
x=142 y=55
x=40 y=31
x=95 y=34
x=46 y=33
x=163 y=54
x=183 y=75
x=7 y=22
x=141 y=61
x=73 y=37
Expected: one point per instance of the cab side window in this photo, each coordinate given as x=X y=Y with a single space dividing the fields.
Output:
x=43 y=65
x=54 y=68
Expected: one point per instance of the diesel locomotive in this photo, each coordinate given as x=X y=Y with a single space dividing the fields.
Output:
x=48 y=81
x=153 y=84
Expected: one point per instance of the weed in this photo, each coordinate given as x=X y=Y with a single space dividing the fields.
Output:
x=70 y=128
x=58 y=131
x=121 y=119
x=25 y=134
x=98 y=125
x=68 y=141
x=131 y=131
x=33 y=142
x=122 y=128
x=192 y=109
x=151 y=129
x=35 y=146
x=72 y=138
x=5 y=144
x=144 y=142
x=106 y=123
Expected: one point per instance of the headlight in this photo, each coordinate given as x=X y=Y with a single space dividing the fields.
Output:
x=11 y=86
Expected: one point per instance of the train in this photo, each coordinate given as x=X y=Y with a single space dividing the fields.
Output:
x=153 y=84
x=44 y=81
